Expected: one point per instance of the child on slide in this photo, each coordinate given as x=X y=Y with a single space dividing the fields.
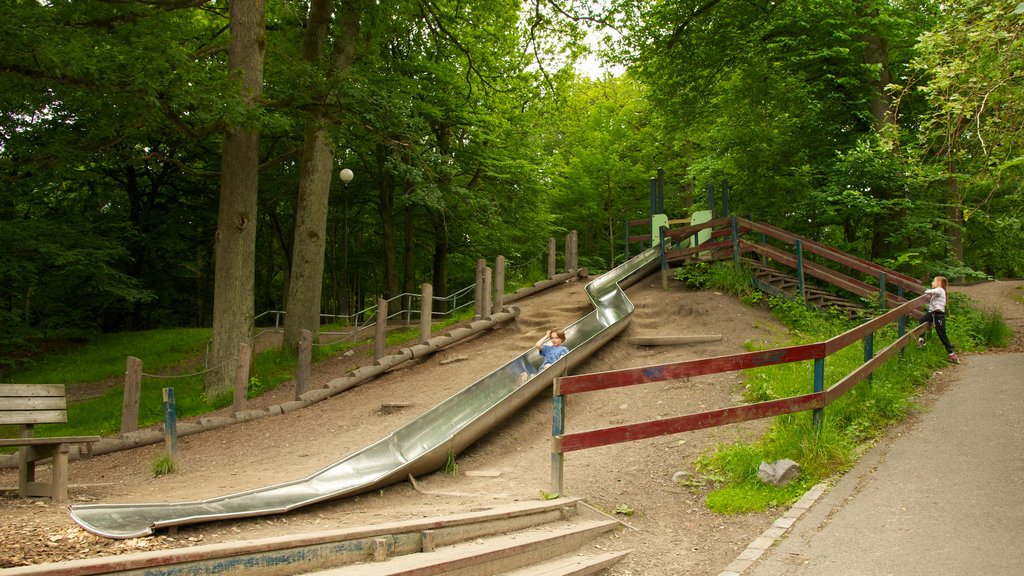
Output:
x=550 y=348
x=553 y=351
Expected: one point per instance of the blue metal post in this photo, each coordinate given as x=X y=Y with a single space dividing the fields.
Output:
x=869 y=352
x=819 y=386
x=881 y=291
x=170 y=422
x=711 y=199
x=557 y=429
x=735 y=244
x=800 y=270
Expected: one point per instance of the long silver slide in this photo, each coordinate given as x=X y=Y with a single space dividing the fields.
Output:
x=421 y=446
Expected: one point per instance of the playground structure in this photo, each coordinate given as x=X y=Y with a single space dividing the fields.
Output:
x=426 y=443
x=422 y=445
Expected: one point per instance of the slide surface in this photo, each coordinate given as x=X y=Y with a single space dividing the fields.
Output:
x=418 y=447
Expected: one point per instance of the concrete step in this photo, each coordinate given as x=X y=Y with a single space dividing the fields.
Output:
x=573 y=565
x=324 y=549
x=495 y=555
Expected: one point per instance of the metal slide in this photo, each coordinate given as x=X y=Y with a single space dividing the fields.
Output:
x=418 y=447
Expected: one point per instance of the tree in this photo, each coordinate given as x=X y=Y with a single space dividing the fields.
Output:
x=235 y=242
x=968 y=71
x=303 y=303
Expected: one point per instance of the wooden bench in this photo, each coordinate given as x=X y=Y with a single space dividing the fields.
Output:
x=27 y=405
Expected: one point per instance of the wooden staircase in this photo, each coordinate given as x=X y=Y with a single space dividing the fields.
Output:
x=539 y=538
x=779 y=282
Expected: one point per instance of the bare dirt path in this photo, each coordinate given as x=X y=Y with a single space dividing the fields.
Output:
x=674 y=533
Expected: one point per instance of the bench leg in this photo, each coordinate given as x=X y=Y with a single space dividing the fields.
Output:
x=57 y=488
x=26 y=471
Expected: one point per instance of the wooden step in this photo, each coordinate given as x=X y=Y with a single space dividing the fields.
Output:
x=485 y=557
x=573 y=565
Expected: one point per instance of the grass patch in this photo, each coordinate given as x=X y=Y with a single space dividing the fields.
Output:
x=848 y=423
x=172 y=359
x=163 y=464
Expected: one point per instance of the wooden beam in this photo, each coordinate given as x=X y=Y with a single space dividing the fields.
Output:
x=698 y=421
x=632 y=376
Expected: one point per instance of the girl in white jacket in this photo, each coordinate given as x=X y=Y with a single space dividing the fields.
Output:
x=937 y=315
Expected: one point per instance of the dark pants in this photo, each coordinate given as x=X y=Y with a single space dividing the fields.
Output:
x=938 y=320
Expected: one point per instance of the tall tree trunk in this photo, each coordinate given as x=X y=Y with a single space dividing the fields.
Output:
x=876 y=53
x=955 y=228
x=305 y=288
x=235 y=242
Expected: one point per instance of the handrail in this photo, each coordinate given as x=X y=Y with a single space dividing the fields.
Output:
x=816 y=400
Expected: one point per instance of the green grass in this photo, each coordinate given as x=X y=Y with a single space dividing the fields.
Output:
x=850 y=422
x=171 y=359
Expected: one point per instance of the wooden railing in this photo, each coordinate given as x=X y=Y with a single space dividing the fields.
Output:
x=726 y=239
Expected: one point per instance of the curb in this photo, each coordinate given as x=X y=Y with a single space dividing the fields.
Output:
x=769 y=537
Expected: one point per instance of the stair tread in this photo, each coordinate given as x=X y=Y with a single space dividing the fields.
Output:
x=575 y=565
x=467 y=553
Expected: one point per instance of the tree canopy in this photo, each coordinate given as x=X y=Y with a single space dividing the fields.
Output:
x=889 y=129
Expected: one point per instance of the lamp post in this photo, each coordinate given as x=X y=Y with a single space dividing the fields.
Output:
x=346 y=176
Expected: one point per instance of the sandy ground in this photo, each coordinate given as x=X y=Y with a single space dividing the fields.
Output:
x=672 y=531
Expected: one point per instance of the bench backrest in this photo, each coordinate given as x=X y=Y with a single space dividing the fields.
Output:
x=29 y=404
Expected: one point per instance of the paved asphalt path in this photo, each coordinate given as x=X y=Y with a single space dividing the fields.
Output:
x=941 y=496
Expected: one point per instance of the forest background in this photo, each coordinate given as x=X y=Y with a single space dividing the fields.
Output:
x=169 y=163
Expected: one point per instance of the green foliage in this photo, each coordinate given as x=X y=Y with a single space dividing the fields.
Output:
x=717 y=276
x=853 y=419
x=970 y=328
x=163 y=464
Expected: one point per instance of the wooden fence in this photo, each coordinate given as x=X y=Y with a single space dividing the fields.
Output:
x=726 y=239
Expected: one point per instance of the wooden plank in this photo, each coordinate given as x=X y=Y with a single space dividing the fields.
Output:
x=632 y=376
x=854 y=262
x=34 y=417
x=697 y=421
x=836 y=391
x=672 y=340
x=25 y=403
x=44 y=441
x=843 y=340
x=31 y=390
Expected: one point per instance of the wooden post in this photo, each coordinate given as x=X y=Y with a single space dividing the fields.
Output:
x=575 y=250
x=485 y=303
x=800 y=270
x=818 y=415
x=426 y=312
x=478 y=289
x=132 y=389
x=241 y=378
x=499 y=284
x=304 y=362
x=382 y=329
x=170 y=423
x=557 y=429
x=551 y=258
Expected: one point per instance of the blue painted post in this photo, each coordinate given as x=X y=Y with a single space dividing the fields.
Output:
x=901 y=324
x=664 y=259
x=800 y=270
x=881 y=291
x=170 y=423
x=735 y=244
x=711 y=199
x=557 y=429
x=819 y=386
x=869 y=352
